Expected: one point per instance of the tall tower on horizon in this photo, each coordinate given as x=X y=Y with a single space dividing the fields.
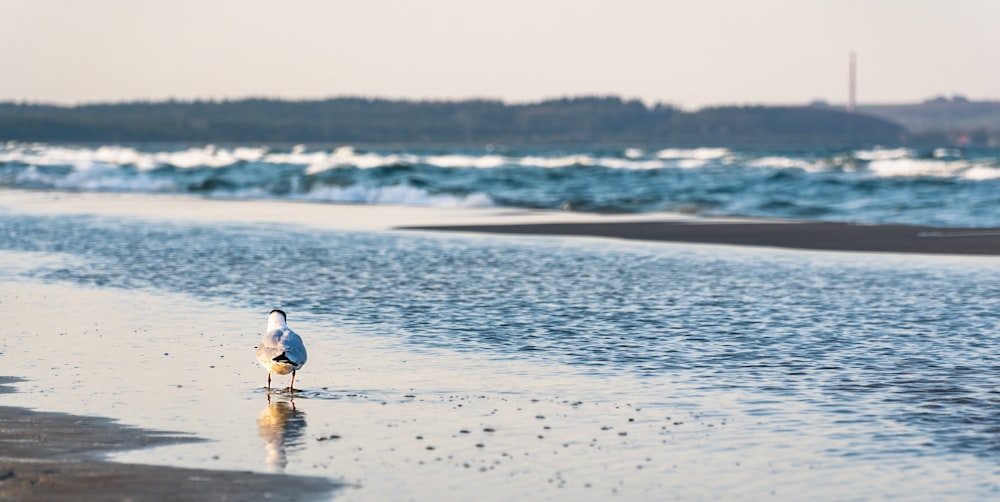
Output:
x=852 y=89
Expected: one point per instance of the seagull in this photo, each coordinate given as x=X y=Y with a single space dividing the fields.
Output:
x=281 y=350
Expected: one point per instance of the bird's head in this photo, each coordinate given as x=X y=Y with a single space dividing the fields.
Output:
x=280 y=314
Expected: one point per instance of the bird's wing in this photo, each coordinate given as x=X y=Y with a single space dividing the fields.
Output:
x=294 y=349
x=270 y=347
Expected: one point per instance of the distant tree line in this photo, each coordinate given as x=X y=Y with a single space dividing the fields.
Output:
x=941 y=120
x=585 y=120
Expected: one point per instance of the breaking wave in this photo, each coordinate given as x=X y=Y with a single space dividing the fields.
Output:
x=943 y=186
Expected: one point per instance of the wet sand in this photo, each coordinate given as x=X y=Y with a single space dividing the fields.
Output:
x=794 y=235
x=56 y=456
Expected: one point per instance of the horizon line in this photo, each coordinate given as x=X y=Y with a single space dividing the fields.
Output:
x=818 y=102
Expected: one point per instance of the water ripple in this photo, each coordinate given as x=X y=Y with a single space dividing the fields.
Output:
x=910 y=340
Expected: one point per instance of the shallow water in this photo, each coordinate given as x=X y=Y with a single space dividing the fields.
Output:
x=752 y=371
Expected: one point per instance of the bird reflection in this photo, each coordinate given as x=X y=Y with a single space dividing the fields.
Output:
x=282 y=427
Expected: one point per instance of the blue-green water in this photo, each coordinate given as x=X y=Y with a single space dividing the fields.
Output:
x=935 y=187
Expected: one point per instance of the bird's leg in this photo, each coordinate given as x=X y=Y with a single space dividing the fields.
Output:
x=291 y=388
x=268 y=380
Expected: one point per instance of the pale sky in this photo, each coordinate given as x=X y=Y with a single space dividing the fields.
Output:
x=688 y=53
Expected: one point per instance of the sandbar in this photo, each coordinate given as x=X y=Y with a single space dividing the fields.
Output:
x=807 y=235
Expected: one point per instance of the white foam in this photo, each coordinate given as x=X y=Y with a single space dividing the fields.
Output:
x=941 y=153
x=481 y=161
x=693 y=153
x=401 y=195
x=345 y=156
x=83 y=158
x=884 y=154
x=557 y=162
x=589 y=160
x=99 y=168
x=633 y=164
x=905 y=167
x=42 y=155
x=210 y=156
x=688 y=163
x=318 y=161
x=982 y=173
x=788 y=163
x=121 y=156
x=192 y=157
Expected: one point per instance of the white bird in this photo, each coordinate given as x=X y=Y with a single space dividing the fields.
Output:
x=281 y=350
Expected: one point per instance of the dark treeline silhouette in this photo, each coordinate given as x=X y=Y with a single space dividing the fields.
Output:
x=941 y=120
x=585 y=120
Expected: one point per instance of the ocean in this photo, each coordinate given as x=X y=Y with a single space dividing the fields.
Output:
x=940 y=187
x=450 y=366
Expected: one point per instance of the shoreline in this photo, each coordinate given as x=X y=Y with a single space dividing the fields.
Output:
x=815 y=236
x=57 y=456
x=653 y=227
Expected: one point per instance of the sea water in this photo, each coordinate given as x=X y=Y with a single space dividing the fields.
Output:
x=451 y=366
x=949 y=187
x=459 y=367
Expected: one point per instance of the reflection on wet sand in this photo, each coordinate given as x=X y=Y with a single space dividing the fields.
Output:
x=281 y=426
